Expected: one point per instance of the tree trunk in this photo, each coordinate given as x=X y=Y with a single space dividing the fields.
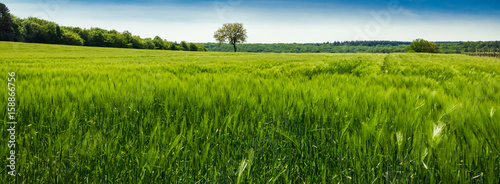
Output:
x=234 y=46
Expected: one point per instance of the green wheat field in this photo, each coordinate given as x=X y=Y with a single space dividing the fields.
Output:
x=105 y=115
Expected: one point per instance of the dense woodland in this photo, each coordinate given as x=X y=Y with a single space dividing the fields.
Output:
x=356 y=47
x=335 y=47
x=34 y=30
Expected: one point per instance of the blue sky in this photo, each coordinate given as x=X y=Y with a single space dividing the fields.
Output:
x=278 y=21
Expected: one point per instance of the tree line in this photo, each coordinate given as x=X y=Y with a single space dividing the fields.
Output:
x=34 y=30
x=465 y=47
x=356 y=47
x=307 y=48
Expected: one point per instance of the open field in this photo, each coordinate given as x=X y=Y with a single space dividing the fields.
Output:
x=102 y=115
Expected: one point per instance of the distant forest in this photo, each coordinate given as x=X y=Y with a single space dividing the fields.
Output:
x=34 y=30
x=355 y=47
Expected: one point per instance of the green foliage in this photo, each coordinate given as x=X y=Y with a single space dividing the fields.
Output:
x=201 y=48
x=34 y=30
x=193 y=47
x=232 y=33
x=184 y=46
x=174 y=46
x=148 y=43
x=334 y=47
x=97 y=37
x=463 y=47
x=421 y=45
x=160 y=43
x=6 y=24
x=30 y=31
x=41 y=31
x=99 y=115
x=356 y=47
x=71 y=38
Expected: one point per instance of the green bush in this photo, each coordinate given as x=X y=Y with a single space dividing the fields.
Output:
x=71 y=38
x=421 y=45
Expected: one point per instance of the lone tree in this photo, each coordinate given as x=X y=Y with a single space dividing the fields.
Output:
x=6 y=31
x=421 y=45
x=231 y=32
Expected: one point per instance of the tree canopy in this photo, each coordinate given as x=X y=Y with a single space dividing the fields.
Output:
x=326 y=47
x=232 y=33
x=6 y=25
x=355 y=47
x=35 y=30
x=421 y=45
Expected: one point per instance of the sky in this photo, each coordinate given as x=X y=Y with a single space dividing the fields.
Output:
x=278 y=21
